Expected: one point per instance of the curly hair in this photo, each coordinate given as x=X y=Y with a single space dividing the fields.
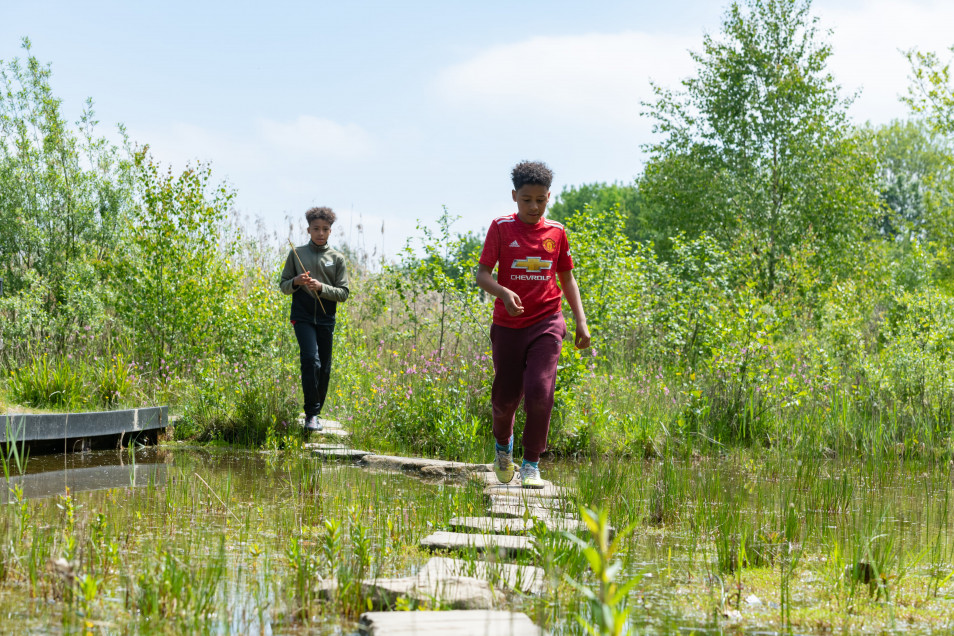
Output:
x=320 y=214
x=531 y=172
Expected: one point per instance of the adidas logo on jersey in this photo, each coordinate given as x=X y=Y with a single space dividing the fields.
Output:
x=515 y=244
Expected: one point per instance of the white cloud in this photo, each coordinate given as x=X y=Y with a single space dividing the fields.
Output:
x=315 y=137
x=597 y=77
x=600 y=78
x=868 y=41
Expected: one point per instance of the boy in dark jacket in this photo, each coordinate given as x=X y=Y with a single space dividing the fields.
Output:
x=317 y=278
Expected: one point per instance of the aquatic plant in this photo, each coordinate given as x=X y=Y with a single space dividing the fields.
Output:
x=607 y=609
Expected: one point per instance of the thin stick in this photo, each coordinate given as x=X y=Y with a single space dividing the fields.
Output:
x=303 y=270
x=229 y=510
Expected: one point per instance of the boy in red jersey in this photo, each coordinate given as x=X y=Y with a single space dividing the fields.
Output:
x=528 y=328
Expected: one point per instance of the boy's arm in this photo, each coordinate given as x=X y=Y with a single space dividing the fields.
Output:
x=287 y=283
x=339 y=291
x=485 y=280
x=572 y=292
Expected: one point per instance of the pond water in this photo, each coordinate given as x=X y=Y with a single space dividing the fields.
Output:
x=226 y=541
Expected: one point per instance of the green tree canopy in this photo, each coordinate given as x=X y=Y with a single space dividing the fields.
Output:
x=64 y=193
x=758 y=142
x=931 y=92
x=914 y=170
x=603 y=197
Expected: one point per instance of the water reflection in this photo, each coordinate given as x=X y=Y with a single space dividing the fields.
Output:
x=51 y=475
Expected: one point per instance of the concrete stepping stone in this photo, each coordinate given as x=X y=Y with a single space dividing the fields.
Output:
x=455 y=583
x=505 y=525
x=527 y=579
x=336 y=451
x=330 y=428
x=452 y=623
x=432 y=467
x=505 y=506
x=514 y=488
x=549 y=491
x=502 y=545
x=456 y=592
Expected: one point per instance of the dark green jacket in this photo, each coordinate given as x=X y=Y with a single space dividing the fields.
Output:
x=326 y=266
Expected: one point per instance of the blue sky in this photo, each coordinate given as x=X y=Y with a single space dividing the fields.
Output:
x=388 y=111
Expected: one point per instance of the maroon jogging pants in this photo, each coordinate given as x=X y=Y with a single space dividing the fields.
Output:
x=525 y=366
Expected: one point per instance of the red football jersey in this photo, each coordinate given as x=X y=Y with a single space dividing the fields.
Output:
x=529 y=258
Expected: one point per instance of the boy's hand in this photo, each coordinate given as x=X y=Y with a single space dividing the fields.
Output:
x=582 y=340
x=304 y=280
x=512 y=303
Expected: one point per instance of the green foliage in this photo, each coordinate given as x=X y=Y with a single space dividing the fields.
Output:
x=64 y=193
x=43 y=382
x=240 y=403
x=915 y=169
x=173 y=263
x=758 y=142
x=931 y=92
x=608 y=612
x=602 y=197
x=437 y=287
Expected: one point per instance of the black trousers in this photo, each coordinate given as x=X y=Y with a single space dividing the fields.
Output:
x=314 y=342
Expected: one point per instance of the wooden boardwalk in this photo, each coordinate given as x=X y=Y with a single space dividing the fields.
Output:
x=473 y=587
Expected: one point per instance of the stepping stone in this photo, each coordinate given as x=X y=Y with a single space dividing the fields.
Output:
x=457 y=592
x=501 y=544
x=335 y=451
x=503 y=506
x=332 y=428
x=433 y=467
x=549 y=491
x=527 y=579
x=328 y=427
x=514 y=488
x=452 y=582
x=504 y=525
x=453 y=623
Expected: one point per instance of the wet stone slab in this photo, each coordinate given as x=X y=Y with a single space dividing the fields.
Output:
x=330 y=428
x=506 y=506
x=452 y=623
x=336 y=451
x=549 y=491
x=432 y=467
x=526 y=579
x=516 y=489
x=501 y=545
x=457 y=592
x=510 y=525
x=455 y=583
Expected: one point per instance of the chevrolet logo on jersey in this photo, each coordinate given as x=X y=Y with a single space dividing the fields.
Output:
x=531 y=264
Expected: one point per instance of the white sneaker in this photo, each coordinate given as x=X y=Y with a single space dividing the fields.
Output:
x=313 y=424
x=530 y=476
x=504 y=467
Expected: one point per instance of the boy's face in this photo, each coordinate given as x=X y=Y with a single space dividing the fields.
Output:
x=319 y=231
x=532 y=202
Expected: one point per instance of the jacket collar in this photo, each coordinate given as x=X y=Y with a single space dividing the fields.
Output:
x=318 y=249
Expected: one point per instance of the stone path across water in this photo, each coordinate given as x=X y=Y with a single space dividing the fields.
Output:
x=502 y=545
x=515 y=525
x=473 y=587
x=452 y=623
